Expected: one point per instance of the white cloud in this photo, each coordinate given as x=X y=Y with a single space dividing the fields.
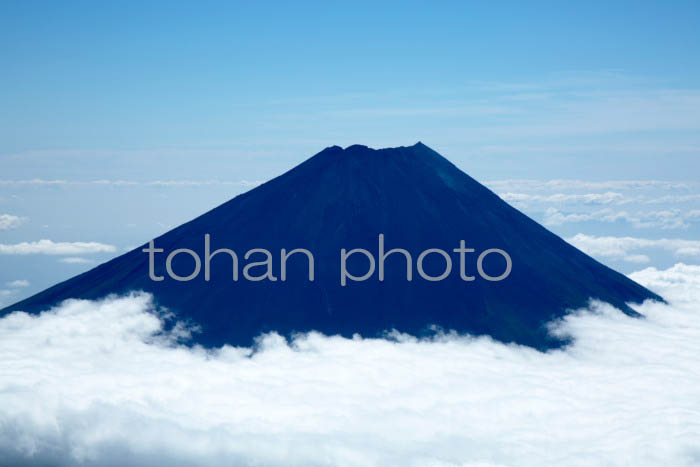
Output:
x=526 y=192
x=34 y=181
x=170 y=183
x=18 y=283
x=674 y=199
x=621 y=247
x=560 y=198
x=75 y=260
x=243 y=183
x=498 y=185
x=651 y=204
x=666 y=219
x=637 y=258
x=48 y=247
x=9 y=222
x=572 y=184
x=74 y=391
x=608 y=197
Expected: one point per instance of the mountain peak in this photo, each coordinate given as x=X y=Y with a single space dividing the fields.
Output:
x=361 y=148
x=327 y=204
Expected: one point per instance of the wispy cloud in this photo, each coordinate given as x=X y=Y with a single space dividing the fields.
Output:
x=242 y=183
x=664 y=219
x=550 y=107
x=18 y=283
x=574 y=184
x=48 y=247
x=569 y=113
x=168 y=183
x=75 y=260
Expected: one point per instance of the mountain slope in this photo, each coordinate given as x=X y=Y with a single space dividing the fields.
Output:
x=344 y=198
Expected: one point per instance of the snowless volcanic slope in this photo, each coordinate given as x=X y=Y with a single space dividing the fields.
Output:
x=344 y=198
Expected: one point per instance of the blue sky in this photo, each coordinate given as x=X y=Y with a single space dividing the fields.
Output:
x=122 y=119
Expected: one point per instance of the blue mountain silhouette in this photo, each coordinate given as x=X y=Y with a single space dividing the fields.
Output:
x=344 y=198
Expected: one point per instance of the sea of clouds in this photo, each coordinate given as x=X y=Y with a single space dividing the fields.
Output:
x=101 y=383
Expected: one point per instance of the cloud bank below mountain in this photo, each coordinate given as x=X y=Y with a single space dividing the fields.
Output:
x=102 y=383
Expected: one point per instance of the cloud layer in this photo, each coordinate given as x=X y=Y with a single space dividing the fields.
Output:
x=101 y=383
x=665 y=219
x=628 y=248
x=558 y=202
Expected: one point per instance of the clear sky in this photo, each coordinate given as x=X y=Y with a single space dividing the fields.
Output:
x=175 y=107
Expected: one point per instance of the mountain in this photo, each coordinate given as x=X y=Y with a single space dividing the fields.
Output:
x=344 y=198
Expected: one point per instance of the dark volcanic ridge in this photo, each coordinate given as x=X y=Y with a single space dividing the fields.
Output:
x=344 y=198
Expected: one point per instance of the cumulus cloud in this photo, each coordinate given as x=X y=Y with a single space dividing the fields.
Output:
x=9 y=222
x=101 y=383
x=623 y=247
x=48 y=247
